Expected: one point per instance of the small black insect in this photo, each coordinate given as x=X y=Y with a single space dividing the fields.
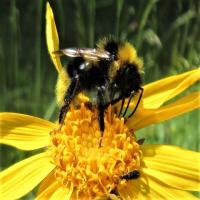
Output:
x=131 y=175
x=141 y=141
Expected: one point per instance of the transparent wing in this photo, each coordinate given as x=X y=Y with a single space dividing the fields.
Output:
x=88 y=53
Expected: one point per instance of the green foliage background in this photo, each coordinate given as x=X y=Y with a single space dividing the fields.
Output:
x=166 y=34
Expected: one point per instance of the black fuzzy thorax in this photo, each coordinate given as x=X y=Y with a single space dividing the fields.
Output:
x=93 y=75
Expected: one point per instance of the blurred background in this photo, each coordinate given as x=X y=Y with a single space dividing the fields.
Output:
x=165 y=33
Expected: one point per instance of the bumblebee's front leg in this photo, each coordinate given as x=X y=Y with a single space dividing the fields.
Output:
x=69 y=96
x=101 y=107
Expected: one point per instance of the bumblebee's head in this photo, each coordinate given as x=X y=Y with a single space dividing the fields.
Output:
x=110 y=45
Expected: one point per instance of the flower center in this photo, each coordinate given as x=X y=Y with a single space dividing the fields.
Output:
x=82 y=164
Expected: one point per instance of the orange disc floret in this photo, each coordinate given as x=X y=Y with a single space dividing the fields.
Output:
x=80 y=161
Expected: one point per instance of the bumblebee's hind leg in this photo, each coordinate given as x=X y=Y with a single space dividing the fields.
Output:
x=137 y=104
x=122 y=105
x=127 y=106
x=70 y=94
x=113 y=90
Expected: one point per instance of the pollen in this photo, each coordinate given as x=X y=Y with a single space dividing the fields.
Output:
x=93 y=170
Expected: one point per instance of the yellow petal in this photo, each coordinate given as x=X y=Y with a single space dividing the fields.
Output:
x=173 y=166
x=23 y=131
x=62 y=193
x=49 y=181
x=159 y=190
x=148 y=188
x=52 y=37
x=157 y=93
x=146 y=117
x=51 y=189
x=134 y=189
x=22 y=177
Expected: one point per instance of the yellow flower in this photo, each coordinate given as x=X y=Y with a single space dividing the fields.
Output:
x=71 y=164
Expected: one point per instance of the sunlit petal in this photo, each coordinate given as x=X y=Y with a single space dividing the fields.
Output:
x=22 y=177
x=52 y=37
x=151 y=189
x=158 y=92
x=133 y=190
x=61 y=193
x=173 y=166
x=146 y=117
x=158 y=190
x=23 y=131
x=51 y=189
x=49 y=181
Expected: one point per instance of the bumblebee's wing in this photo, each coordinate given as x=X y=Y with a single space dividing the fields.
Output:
x=87 y=53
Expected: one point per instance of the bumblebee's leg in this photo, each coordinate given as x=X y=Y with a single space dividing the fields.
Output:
x=122 y=105
x=137 y=103
x=130 y=97
x=70 y=93
x=101 y=107
x=115 y=100
x=121 y=96
x=113 y=90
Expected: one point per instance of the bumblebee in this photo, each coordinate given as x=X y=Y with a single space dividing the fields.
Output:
x=110 y=72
